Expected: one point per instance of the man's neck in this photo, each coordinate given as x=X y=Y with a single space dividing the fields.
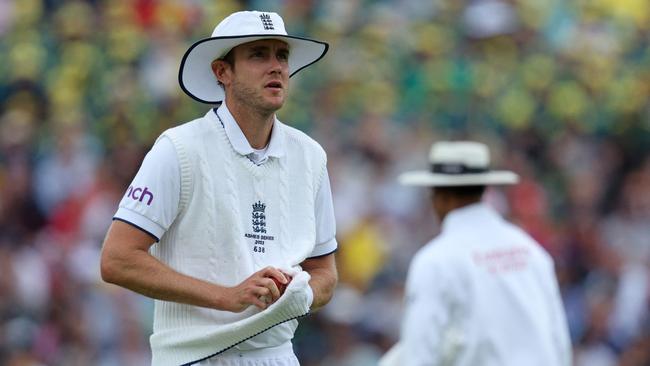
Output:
x=455 y=203
x=256 y=125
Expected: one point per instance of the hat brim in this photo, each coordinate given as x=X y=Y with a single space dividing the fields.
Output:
x=428 y=179
x=197 y=80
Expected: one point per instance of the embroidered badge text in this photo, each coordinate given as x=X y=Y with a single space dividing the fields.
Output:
x=259 y=228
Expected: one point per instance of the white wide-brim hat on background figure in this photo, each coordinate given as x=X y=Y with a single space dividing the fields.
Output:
x=195 y=75
x=458 y=163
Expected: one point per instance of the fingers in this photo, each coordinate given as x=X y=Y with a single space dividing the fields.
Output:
x=275 y=273
x=260 y=302
x=248 y=293
x=268 y=288
x=260 y=289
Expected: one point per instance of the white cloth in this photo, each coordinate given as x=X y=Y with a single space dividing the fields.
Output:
x=155 y=209
x=483 y=293
x=277 y=356
x=214 y=344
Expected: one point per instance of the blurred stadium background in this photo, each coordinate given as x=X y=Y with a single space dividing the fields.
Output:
x=560 y=90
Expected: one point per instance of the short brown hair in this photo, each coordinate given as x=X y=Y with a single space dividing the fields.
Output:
x=229 y=58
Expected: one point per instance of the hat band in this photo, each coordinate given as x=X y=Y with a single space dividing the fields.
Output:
x=455 y=168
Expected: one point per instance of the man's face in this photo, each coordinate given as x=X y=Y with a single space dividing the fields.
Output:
x=260 y=76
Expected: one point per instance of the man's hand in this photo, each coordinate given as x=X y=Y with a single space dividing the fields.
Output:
x=259 y=290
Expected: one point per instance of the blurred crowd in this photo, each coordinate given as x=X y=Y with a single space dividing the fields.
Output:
x=559 y=90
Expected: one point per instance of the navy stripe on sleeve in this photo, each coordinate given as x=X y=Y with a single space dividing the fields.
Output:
x=322 y=255
x=138 y=227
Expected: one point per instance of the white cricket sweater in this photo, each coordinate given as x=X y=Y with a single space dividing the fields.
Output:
x=236 y=218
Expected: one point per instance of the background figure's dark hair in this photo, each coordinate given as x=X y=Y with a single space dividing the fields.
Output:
x=462 y=191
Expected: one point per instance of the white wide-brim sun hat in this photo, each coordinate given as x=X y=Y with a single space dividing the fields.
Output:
x=458 y=163
x=196 y=76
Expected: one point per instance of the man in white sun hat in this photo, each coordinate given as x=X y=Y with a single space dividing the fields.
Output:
x=229 y=224
x=482 y=292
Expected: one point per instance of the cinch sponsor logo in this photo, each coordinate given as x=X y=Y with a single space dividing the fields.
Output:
x=139 y=194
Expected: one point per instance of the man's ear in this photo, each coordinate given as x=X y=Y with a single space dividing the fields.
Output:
x=220 y=70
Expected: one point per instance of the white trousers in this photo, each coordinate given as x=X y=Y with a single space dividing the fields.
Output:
x=276 y=356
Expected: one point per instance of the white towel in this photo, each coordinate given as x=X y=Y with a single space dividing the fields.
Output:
x=190 y=345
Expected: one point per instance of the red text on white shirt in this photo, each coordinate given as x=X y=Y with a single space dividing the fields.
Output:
x=502 y=260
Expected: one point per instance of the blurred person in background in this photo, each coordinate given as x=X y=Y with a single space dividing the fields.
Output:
x=483 y=292
x=230 y=209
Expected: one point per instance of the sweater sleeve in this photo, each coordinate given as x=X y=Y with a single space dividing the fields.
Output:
x=325 y=220
x=151 y=201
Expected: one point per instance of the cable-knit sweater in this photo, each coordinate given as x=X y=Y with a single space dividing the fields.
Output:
x=235 y=218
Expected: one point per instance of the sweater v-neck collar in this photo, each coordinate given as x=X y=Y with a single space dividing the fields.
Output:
x=238 y=140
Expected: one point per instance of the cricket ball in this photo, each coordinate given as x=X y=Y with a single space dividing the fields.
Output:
x=281 y=286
